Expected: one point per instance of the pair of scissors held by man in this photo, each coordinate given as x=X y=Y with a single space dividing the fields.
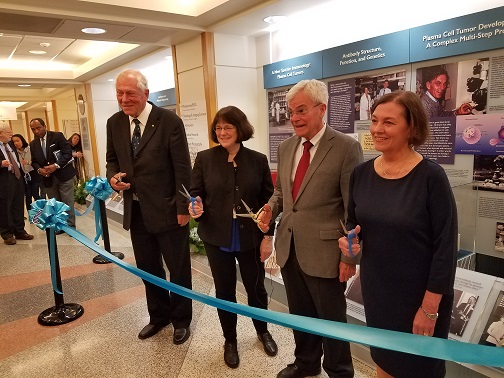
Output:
x=251 y=214
x=350 y=235
x=186 y=194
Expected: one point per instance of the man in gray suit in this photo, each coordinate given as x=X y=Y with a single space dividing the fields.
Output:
x=313 y=269
x=148 y=159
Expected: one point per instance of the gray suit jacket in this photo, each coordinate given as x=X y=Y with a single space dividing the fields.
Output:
x=313 y=219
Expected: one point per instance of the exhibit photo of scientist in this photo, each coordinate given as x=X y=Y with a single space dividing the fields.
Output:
x=463 y=307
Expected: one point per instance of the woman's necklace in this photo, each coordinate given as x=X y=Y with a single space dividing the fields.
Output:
x=399 y=171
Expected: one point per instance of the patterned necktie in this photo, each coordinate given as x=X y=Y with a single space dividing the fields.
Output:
x=44 y=147
x=135 y=140
x=302 y=167
x=14 y=165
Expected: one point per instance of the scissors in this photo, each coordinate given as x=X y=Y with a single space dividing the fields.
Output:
x=250 y=214
x=188 y=196
x=350 y=235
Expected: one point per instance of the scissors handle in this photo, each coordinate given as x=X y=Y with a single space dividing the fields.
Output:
x=350 y=236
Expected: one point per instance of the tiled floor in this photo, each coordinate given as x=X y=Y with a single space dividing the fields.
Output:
x=103 y=342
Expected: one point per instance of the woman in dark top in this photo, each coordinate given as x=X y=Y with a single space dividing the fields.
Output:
x=78 y=156
x=32 y=180
x=222 y=177
x=403 y=209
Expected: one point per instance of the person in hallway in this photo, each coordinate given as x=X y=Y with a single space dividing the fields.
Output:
x=51 y=159
x=12 y=224
x=435 y=83
x=402 y=208
x=385 y=90
x=32 y=178
x=365 y=105
x=232 y=168
x=148 y=159
x=78 y=156
x=311 y=190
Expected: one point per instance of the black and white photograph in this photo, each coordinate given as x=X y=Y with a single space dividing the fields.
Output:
x=463 y=307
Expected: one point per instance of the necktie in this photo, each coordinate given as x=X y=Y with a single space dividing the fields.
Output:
x=135 y=140
x=302 y=167
x=14 y=165
x=44 y=147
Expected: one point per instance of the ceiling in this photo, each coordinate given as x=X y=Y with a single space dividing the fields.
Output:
x=136 y=29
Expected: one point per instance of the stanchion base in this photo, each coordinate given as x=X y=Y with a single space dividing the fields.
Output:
x=61 y=314
x=102 y=260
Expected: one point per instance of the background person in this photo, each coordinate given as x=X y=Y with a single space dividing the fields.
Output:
x=385 y=90
x=313 y=270
x=404 y=205
x=496 y=333
x=51 y=154
x=76 y=143
x=365 y=104
x=219 y=171
x=436 y=80
x=32 y=179
x=12 y=224
x=148 y=159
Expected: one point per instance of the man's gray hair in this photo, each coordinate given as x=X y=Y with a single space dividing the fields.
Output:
x=137 y=75
x=316 y=90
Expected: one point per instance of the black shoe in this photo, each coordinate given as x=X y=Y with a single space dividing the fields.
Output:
x=231 y=357
x=24 y=236
x=292 y=371
x=180 y=335
x=270 y=347
x=150 y=330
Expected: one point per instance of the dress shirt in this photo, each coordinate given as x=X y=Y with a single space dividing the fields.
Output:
x=143 y=117
x=299 y=151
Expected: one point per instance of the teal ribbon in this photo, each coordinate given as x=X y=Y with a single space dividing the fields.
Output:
x=53 y=215
x=434 y=347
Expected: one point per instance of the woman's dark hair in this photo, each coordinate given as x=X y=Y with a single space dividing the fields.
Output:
x=233 y=116
x=23 y=140
x=78 y=146
x=414 y=112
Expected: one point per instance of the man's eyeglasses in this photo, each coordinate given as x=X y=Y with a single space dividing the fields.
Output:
x=226 y=128
x=302 y=111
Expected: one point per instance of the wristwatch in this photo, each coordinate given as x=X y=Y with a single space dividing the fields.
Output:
x=268 y=237
x=433 y=316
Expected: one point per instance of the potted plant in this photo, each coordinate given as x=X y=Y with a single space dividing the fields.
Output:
x=195 y=243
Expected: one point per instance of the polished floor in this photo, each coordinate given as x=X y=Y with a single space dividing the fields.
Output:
x=103 y=342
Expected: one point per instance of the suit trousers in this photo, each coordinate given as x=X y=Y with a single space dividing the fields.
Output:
x=322 y=298
x=12 y=207
x=63 y=191
x=150 y=250
x=223 y=266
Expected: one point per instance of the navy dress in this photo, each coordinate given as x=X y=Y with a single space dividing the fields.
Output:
x=409 y=236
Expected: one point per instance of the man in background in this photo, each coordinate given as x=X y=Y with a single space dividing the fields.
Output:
x=148 y=159
x=12 y=190
x=51 y=158
x=385 y=90
x=436 y=81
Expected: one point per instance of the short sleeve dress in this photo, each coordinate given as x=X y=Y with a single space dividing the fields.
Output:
x=409 y=245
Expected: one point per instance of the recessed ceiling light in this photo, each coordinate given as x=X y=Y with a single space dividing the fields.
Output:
x=45 y=44
x=38 y=52
x=93 y=30
x=110 y=80
x=24 y=85
x=274 y=19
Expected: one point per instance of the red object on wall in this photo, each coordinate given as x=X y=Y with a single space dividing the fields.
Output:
x=273 y=177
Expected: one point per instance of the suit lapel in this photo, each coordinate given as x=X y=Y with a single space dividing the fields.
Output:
x=290 y=150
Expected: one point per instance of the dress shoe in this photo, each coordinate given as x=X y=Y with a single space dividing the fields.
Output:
x=231 y=357
x=10 y=241
x=150 y=330
x=180 y=335
x=270 y=347
x=25 y=236
x=292 y=371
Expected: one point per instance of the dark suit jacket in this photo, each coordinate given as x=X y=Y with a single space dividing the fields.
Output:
x=314 y=218
x=55 y=141
x=5 y=185
x=157 y=172
x=221 y=190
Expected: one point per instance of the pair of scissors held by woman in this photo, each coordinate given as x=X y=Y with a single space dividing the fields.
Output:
x=251 y=214
x=186 y=194
x=350 y=235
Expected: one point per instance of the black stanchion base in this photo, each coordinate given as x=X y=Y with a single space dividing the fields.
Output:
x=61 y=314
x=102 y=260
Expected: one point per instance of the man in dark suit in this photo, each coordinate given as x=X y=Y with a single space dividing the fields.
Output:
x=12 y=225
x=313 y=269
x=51 y=158
x=148 y=159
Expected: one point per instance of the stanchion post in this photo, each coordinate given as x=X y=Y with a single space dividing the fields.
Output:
x=62 y=312
x=106 y=238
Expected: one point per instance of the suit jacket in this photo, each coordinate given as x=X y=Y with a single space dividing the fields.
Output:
x=314 y=218
x=157 y=172
x=55 y=141
x=5 y=185
x=215 y=181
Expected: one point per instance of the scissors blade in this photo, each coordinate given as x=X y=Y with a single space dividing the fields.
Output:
x=247 y=208
x=185 y=195
x=344 y=228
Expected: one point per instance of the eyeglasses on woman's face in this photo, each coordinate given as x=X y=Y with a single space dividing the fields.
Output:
x=221 y=128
